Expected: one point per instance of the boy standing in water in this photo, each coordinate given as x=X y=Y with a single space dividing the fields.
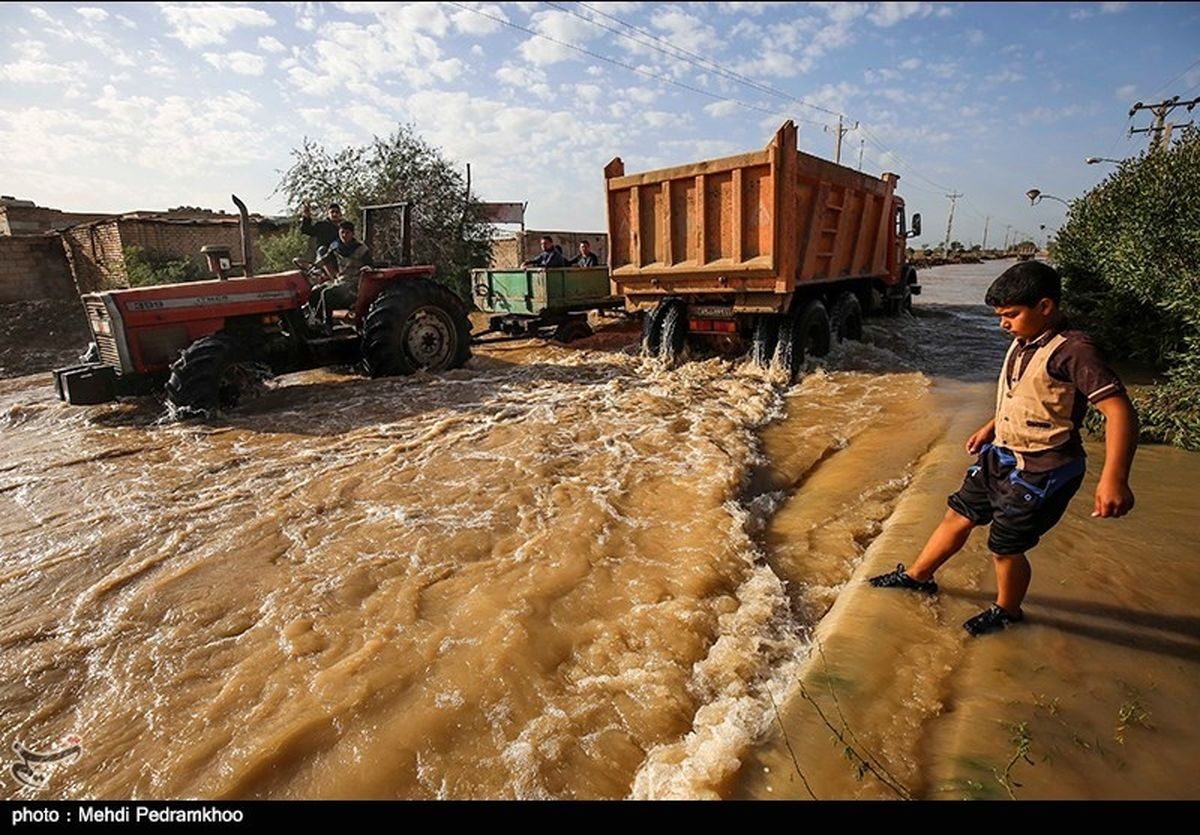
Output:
x=1031 y=458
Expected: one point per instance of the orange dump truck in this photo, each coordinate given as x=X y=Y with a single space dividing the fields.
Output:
x=776 y=249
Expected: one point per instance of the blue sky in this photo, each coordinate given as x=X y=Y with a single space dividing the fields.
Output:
x=123 y=106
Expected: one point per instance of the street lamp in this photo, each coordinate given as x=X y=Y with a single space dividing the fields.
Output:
x=1094 y=160
x=1036 y=197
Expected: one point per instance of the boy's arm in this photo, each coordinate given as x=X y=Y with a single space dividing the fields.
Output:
x=983 y=435
x=1113 y=496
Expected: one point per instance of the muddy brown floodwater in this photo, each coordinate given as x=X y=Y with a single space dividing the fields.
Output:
x=569 y=572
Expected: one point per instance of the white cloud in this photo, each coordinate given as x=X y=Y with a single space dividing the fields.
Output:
x=126 y=22
x=39 y=72
x=268 y=44
x=92 y=13
x=1113 y=8
x=564 y=29
x=1005 y=76
x=478 y=22
x=683 y=28
x=975 y=37
x=719 y=109
x=910 y=64
x=1125 y=91
x=525 y=79
x=205 y=24
x=889 y=14
x=242 y=63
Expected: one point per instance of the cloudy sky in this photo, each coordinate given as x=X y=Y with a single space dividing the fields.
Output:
x=113 y=107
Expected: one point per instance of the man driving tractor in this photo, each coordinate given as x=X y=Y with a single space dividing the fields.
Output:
x=342 y=264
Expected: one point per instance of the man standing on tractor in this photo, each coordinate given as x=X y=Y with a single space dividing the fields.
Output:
x=325 y=231
x=340 y=292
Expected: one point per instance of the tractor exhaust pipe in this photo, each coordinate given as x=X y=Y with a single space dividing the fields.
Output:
x=244 y=227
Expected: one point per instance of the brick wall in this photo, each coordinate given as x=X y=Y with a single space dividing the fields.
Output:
x=33 y=267
x=508 y=253
x=96 y=251
x=94 y=255
x=33 y=220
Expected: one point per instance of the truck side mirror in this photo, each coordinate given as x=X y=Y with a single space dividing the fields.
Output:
x=916 y=225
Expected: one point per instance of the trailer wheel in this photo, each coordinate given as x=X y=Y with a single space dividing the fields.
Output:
x=847 y=318
x=813 y=327
x=211 y=375
x=413 y=325
x=766 y=335
x=674 y=333
x=652 y=329
x=574 y=328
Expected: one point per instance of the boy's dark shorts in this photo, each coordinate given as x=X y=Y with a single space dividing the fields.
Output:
x=1018 y=512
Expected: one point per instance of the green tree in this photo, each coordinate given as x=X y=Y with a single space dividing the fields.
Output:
x=1130 y=259
x=145 y=267
x=449 y=229
x=279 y=249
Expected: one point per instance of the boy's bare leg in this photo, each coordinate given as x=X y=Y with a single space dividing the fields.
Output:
x=947 y=539
x=1012 y=581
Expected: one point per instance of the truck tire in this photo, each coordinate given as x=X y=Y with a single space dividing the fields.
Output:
x=652 y=329
x=674 y=333
x=847 y=318
x=211 y=375
x=413 y=325
x=813 y=326
x=766 y=334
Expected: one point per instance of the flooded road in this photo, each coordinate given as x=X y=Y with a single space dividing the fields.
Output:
x=569 y=572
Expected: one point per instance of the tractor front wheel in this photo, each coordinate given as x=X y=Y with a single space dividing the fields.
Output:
x=212 y=374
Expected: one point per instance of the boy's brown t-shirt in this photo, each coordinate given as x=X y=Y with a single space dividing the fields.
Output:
x=1077 y=361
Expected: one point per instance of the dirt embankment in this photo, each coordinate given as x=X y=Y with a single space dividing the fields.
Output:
x=41 y=335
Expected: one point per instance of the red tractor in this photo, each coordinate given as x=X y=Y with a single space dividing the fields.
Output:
x=205 y=341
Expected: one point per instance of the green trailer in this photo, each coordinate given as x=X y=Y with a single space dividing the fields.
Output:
x=541 y=302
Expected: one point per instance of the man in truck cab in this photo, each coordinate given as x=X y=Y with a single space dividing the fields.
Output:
x=343 y=263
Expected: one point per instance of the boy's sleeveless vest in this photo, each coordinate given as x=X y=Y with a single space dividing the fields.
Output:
x=1034 y=414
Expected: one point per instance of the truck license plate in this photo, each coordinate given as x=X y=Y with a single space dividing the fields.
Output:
x=710 y=311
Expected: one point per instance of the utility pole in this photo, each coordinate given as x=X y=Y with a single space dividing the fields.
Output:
x=954 y=195
x=841 y=131
x=986 y=220
x=1007 y=232
x=1160 y=131
x=862 y=143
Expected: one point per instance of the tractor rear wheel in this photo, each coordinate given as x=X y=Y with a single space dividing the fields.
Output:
x=413 y=325
x=212 y=373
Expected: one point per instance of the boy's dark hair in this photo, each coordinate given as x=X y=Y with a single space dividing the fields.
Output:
x=333 y=206
x=346 y=224
x=1026 y=284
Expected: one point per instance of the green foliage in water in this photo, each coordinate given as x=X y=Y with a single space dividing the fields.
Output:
x=1130 y=260
x=145 y=267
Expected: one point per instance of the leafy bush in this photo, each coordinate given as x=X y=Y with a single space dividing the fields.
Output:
x=145 y=267
x=449 y=229
x=1130 y=260
x=279 y=249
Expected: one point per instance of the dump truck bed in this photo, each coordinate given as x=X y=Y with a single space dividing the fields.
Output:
x=754 y=226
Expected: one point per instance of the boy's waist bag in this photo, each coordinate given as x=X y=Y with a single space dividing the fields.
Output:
x=1055 y=479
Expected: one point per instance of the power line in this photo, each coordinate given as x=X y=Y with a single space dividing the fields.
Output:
x=614 y=61
x=1163 y=88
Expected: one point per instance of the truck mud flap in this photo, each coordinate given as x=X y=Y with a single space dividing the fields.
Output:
x=86 y=385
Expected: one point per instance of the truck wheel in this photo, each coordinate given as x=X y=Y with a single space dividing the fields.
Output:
x=813 y=327
x=652 y=329
x=789 y=348
x=846 y=318
x=674 y=333
x=766 y=334
x=212 y=373
x=412 y=325
x=574 y=328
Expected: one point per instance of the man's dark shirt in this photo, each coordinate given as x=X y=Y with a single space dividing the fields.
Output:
x=547 y=258
x=325 y=231
x=589 y=260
